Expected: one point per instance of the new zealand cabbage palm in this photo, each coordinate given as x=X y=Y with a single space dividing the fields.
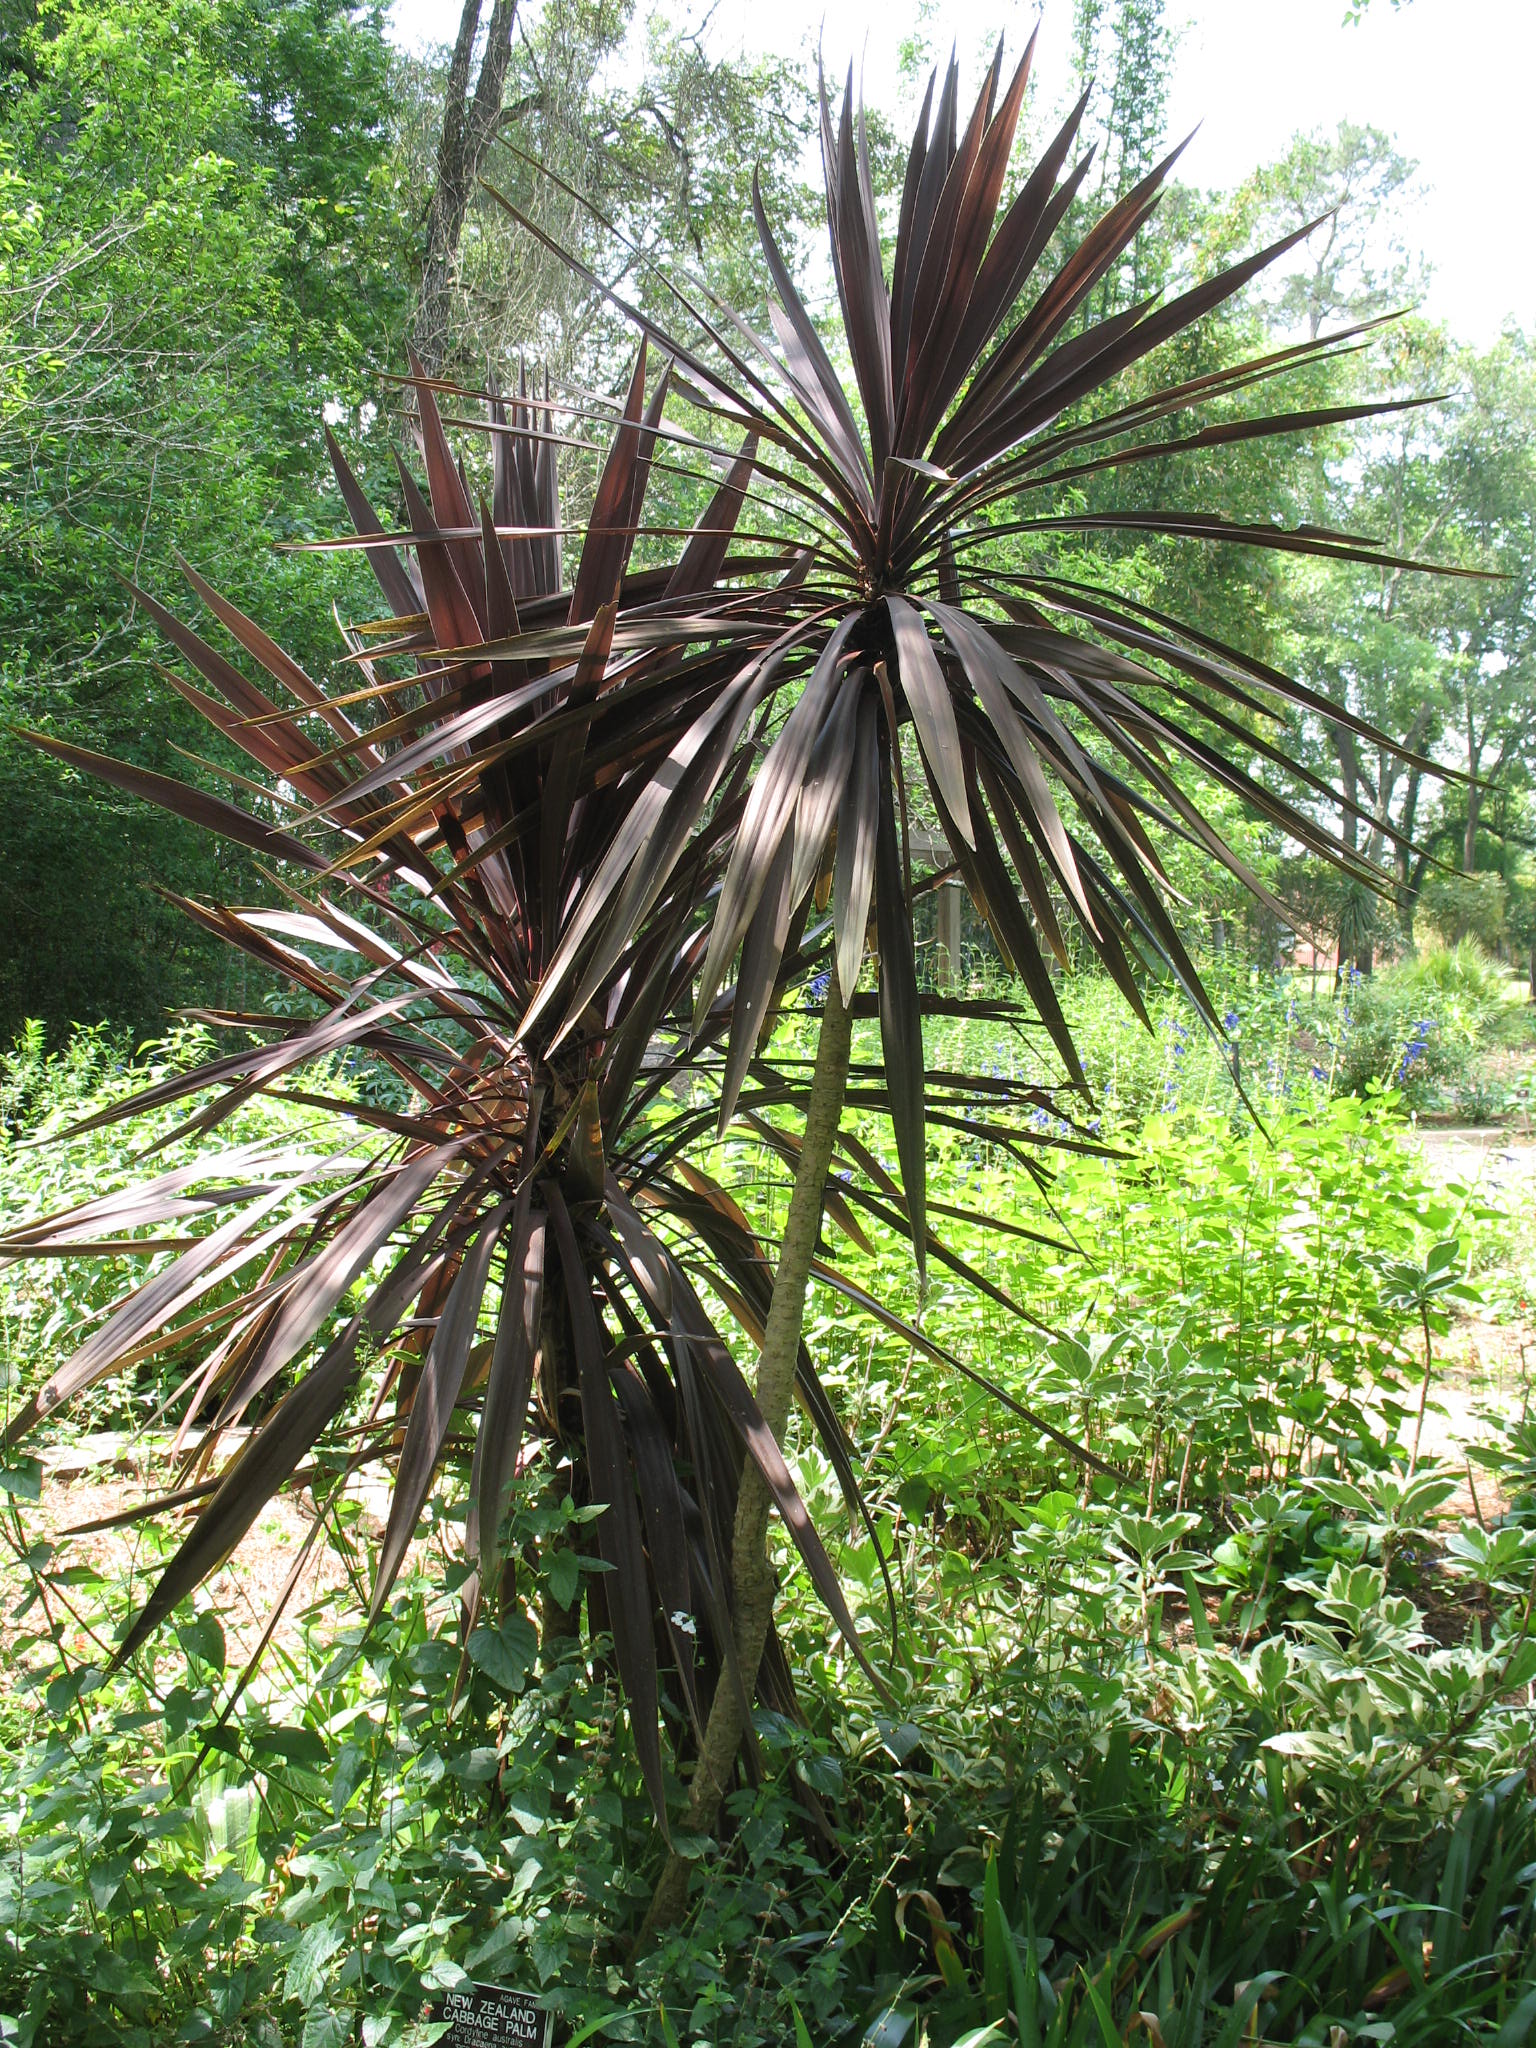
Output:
x=1059 y=726
x=561 y=855
x=512 y=1244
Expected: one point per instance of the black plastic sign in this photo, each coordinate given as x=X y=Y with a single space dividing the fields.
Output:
x=486 y=2016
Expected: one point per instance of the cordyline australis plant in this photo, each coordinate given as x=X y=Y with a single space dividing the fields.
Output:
x=538 y=1191
x=981 y=414
x=559 y=857
x=518 y=1251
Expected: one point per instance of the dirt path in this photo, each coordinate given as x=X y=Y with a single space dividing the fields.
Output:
x=98 y=1478
x=1490 y=1157
x=1487 y=1360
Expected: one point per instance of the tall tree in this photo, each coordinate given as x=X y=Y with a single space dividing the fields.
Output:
x=204 y=244
x=1489 y=465
x=623 y=139
x=471 y=117
x=197 y=252
x=1355 y=183
x=1450 y=670
x=1123 y=51
x=1371 y=647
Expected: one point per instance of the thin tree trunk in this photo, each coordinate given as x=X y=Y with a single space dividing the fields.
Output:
x=1406 y=894
x=468 y=125
x=1474 y=811
x=1349 y=778
x=1475 y=751
x=752 y=1582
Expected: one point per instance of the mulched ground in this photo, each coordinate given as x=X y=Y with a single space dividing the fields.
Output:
x=99 y=1478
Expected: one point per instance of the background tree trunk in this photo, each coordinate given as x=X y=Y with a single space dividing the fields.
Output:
x=1474 y=798
x=469 y=122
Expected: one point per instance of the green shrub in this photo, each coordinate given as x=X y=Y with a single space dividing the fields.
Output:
x=1419 y=1027
x=48 y=1303
x=1462 y=972
x=1392 y=1030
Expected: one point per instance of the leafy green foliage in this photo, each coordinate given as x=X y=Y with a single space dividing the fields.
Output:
x=196 y=254
x=43 y=1094
x=1137 y=1756
x=1225 y=1312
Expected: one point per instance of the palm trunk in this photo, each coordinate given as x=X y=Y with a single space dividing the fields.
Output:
x=752 y=1581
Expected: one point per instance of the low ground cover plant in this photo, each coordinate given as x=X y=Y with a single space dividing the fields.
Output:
x=1237 y=1738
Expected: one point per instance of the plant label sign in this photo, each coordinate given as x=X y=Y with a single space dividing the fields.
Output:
x=486 y=2016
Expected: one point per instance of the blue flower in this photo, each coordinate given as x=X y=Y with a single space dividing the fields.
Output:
x=1317 y=1072
x=1414 y=1050
x=1230 y=1021
x=819 y=984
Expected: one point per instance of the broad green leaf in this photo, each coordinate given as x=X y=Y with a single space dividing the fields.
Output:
x=504 y=1653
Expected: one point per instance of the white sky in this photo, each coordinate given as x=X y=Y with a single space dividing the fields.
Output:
x=1451 y=80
